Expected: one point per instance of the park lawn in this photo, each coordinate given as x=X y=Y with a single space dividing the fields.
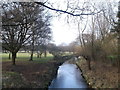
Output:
x=25 y=57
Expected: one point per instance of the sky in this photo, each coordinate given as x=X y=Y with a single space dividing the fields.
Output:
x=63 y=33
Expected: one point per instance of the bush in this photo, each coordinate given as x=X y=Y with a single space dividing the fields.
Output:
x=112 y=59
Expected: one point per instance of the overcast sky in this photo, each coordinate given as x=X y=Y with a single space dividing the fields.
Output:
x=63 y=32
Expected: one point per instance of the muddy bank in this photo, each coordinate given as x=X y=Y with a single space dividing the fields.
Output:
x=54 y=71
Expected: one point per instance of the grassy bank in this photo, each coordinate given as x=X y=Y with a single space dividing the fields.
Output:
x=101 y=76
x=29 y=74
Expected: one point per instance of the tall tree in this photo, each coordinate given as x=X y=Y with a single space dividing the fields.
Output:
x=40 y=36
x=17 y=21
x=116 y=29
x=36 y=29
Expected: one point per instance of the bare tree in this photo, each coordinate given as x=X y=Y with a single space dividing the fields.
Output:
x=17 y=21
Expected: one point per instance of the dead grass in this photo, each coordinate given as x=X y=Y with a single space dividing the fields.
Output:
x=102 y=75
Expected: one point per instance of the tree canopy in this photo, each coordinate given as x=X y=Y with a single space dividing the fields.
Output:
x=22 y=21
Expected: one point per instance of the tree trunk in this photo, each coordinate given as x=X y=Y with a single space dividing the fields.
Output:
x=45 y=53
x=89 y=65
x=118 y=60
x=38 y=55
x=32 y=50
x=31 y=56
x=92 y=45
x=13 y=57
x=92 y=50
x=88 y=61
x=9 y=56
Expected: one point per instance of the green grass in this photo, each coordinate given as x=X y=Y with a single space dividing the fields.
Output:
x=112 y=57
x=25 y=57
x=13 y=79
x=67 y=53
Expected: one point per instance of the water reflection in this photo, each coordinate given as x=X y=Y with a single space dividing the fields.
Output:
x=68 y=76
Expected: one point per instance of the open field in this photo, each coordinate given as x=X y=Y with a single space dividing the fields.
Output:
x=25 y=57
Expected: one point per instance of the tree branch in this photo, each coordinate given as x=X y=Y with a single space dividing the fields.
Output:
x=63 y=11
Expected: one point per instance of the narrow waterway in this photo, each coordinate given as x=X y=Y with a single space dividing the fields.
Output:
x=68 y=76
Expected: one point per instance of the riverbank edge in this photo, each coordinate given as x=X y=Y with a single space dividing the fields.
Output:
x=86 y=81
x=89 y=86
x=54 y=72
x=90 y=75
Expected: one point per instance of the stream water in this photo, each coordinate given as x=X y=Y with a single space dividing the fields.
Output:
x=68 y=76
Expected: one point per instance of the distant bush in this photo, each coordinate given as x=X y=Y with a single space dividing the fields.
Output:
x=112 y=59
x=104 y=50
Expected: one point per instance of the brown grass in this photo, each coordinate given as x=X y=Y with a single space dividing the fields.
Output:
x=102 y=75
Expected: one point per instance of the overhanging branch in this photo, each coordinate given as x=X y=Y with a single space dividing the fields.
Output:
x=63 y=11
